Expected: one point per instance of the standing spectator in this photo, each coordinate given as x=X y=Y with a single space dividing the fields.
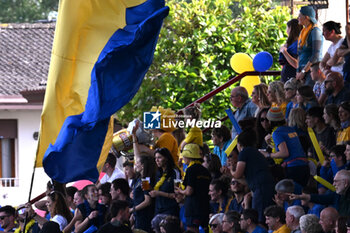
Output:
x=309 y=44
x=259 y=97
x=120 y=216
x=7 y=218
x=196 y=182
x=112 y=171
x=293 y=215
x=230 y=223
x=252 y=164
x=344 y=116
x=289 y=51
x=344 y=51
x=195 y=134
x=328 y=219
x=276 y=219
x=335 y=89
x=309 y=224
x=129 y=171
x=319 y=88
x=276 y=96
x=215 y=223
x=249 y=222
x=244 y=106
x=306 y=97
x=330 y=61
x=221 y=139
x=290 y=90
x=163 y=191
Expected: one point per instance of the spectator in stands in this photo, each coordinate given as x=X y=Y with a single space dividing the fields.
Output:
x=111 y=170
x=120 y=216
x=341 y=224
x=163 y=191
x=170 y=224
x=328 y=219
x=330 y=61
x=337 y=163
x=196 y=183
x=129 y=171
x=293 y=215
x=104 y=194
x=215 y=223
x=70 y=197
x=262 y=128
x=219 y=201
x=276 y=219
x=195 y=135
x=319 y=88
x=344 y=116
x=7 y=218
x=120 y=190
x=325 y=134
x=296 y=121
x=290 y=89
x=230 y=222
x=344 y=51
x=310 y=44
x=288 y=147
x=347 y=155
x=78 y=197
x=51 y=227
x=331 y=116
x=143 y=210
x=241 y=195
x=213 y=164
x=276 y=96
x=252 y=164
x=249 y=221
x=31 y=225
x=283 y=188
x=221 y=138
x=312 y=207
x=309 y=224
x=335 y=90
x=244 y=106
x=259 y=97
x=288 y=56
x=90 y=214
x=306 y=97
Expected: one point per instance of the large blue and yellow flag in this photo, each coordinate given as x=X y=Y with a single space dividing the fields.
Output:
x=101 y=52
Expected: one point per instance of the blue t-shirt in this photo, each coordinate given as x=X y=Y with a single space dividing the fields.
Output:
x=259 y=229
x=316 y=210
x=289 y=108
x=221 y=153
x=290 y=137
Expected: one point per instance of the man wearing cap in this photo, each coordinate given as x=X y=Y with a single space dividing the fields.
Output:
x=310 y=44
x=196 y=182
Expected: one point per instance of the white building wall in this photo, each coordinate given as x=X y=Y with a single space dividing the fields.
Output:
x=28 y=122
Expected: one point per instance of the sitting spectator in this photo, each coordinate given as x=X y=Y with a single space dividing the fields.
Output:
x=70 y=197
x=283 y=188
x=276 y=219
x=78 y=197
x=252 y=164
x=219 y=202
x=344 y=51
x=331 y=116
x=111 y=170
x=51 y=227
x=330 y=61
x=249 y=221
x=120 y=216
x=104 y=195
x=337 y=163
x=347 y=154
x=290 y=90
x=221 y=139
x=306 y=98
x=31 y=225
x=120 y=190
x=259 y=97
x=313 y=208
x=275 y=94
x=341 y=224
x=344 y=116
x=215 y=223
x=244 y=106
x=230 y=222
x=213 y=164
x=319 y=88
x=335 y=90
x=129 y=171
x=293 y=215
x=241 y=196
x=309 y=224
x=262 y=128
x=328 y=219
x=170 y=224
x=7 y=218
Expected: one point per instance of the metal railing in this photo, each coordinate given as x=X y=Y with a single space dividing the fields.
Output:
x=9 y=182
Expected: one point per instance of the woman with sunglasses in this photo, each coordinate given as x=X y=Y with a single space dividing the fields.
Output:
x=215 y=223
x=163 y=191
x=262 y=128
x=253 y=165
x=290 y=90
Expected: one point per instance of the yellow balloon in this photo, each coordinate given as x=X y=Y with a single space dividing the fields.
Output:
x=248 y=82
x=241 y=62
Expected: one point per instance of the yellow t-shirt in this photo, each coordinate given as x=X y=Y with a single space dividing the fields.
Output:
x=195 y=135
x=283 y=106
x=168 y=141
x=283 y=229
x=343 y=135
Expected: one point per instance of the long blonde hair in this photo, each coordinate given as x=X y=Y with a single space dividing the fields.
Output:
x=261 y=90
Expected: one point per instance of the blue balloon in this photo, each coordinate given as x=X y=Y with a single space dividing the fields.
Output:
x=262 y=61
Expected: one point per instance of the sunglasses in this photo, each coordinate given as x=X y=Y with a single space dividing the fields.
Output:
x=213 y=225
x=288 y=89
x=263 y=119
x=3 y=217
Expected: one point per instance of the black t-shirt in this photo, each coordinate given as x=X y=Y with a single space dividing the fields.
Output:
x=112 y=228
x=198 y=177
x=346 y=66
x=85 y=210
x=256 y=167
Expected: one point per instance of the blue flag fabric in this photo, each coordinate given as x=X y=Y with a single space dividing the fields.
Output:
x=115 y=79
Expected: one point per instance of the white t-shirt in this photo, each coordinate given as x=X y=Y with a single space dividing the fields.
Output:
x=331 y=51
x=117 y=173
x=62 y=221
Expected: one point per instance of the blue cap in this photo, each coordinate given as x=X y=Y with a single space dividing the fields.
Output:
x=309 y=11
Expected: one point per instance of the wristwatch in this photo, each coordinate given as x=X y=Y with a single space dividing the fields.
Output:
x=303 y=71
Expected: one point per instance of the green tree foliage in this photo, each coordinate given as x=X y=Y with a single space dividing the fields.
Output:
x=20 y=11
x=196 y=43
